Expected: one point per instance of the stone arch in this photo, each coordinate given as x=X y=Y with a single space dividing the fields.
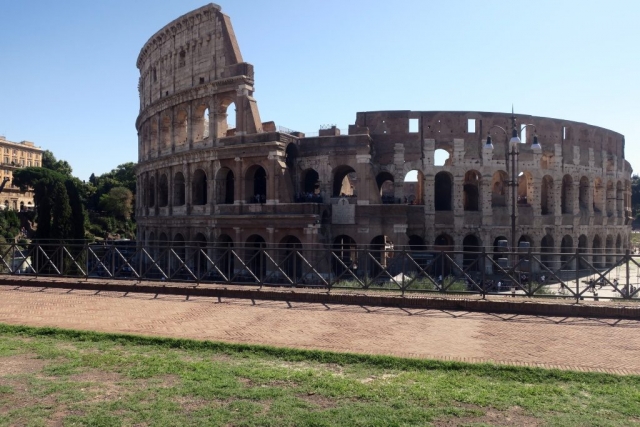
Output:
x=547 y=248
x=441 y=157
x=471 y=247
x=525 y=188
x=153 y=135
x=618 y=244
x=256 y=184
x=180 y=127
x=255 y=257
x=152 y=192
x=178 y=189
x=200 y=254
x=546 y=195
x=165 y=132
x=345 y=253
x=598 y=196
x=471 y=191
x=163 y=191
x=597 y=252
x=178 y=246
x=443 y=243
x=499 y=183
x=199 y=188
x=567 y=196
x=290 y=248
x=344 y=181
x=201 y=122
x=225 y=186
x=620 y=199
x=310 y=182
x=443 y=193
x=230 y=120
x=583 y=194
x=386 y=187
x=566 y=249
x=609 y=251
x=224 y=255
x=583 y=248
x=413 y=190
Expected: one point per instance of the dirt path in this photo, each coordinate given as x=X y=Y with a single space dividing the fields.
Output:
x=567 y=343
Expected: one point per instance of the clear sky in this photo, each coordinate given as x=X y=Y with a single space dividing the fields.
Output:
x=68 y=79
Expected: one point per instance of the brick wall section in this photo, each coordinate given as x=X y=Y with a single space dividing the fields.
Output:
x=504 y=306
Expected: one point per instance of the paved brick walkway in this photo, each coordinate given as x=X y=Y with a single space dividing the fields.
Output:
x=566 y=343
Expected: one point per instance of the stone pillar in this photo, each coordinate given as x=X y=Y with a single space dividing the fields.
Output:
x=188 y=187
x=172 y=130
x=363 y=172
x=158 y=136
x=190 y=125
x=398 y=162
x=274 y=177
x=238 y=189
x=170 y=189
x=457 y=202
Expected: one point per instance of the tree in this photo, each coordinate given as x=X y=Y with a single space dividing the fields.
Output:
x=118 y=202
x=61 y=212
x=50 y=162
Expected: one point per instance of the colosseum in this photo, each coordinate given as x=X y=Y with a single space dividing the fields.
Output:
x=211 y=171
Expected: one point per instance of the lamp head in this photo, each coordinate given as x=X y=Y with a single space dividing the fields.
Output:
x=489 y=144
x=514 y=138
x=536 y=145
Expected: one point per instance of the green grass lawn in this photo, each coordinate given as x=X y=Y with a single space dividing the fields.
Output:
x=57 y=377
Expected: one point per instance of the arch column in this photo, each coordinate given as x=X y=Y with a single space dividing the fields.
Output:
x=190 y=125
x=188 y=191
x=238 y=187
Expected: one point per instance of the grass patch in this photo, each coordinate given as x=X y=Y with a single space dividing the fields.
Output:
x=88 y=378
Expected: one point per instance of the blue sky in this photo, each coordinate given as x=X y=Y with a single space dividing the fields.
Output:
x=68 y=80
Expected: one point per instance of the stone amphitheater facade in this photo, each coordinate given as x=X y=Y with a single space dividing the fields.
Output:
x=205 y=179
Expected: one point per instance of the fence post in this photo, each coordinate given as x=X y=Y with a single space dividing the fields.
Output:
x=627 y=287
x=577 y=276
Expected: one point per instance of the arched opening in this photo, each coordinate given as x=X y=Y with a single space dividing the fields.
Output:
x=201 y=123
x=380 y=249
x=609 y=251
x=598 y=196
x=386 y=187
x=499 y=183
x=344 y=181
x=566 y=250
x=619 y=199
x=547 y=249
x=413 y=188
x=179 y=257
x=255 y=257
x=583 y=245
x=583 y=194
x=256 y=184
x=180 y=128
x=165 y=132
x=230 y=121
x=611 y=199
x=471 y=189
x=471 y=248
x=163 y=191
x=443 y=191
x=441 y=157
x=178 y=190
x=153 y=135
x=567 y=196
x=201 y=262
x=199 y=188
x=225 y=186
x=419 y=251
x=310 y=187
x=597 y=252
x=344 y=255
x=525 y=188
x=152 y=192
x=443 y=243
x=290 y=248
x=224 y=255
x=618 y=246
x=546 y=196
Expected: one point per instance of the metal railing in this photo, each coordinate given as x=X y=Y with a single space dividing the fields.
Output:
x=577 y=275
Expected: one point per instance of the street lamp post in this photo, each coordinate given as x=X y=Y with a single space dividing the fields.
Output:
x=512 y=151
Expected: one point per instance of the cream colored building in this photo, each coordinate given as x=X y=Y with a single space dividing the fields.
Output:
x=16 y=155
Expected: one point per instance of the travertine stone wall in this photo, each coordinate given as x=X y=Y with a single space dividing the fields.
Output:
x=203 y=180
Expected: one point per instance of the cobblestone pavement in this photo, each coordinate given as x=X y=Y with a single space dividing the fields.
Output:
x=603 y=345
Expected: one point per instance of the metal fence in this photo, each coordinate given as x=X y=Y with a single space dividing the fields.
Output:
x=577 y=275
